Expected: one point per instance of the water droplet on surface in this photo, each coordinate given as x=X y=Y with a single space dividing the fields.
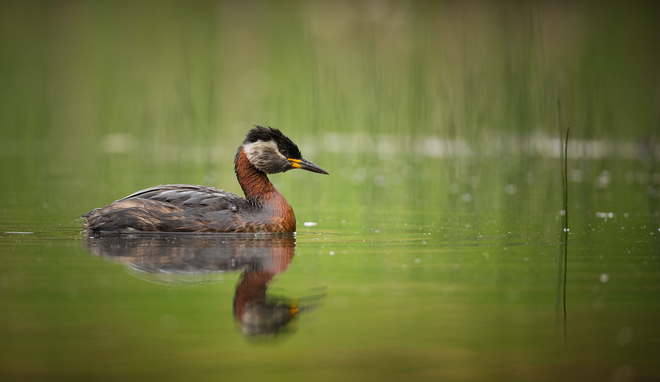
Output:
x=604 y=278
x=603 y=179
x=310 y=224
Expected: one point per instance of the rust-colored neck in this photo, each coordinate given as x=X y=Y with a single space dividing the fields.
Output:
x=275 y=213
x=255 y=183
x=254 y=284
x=252 y=288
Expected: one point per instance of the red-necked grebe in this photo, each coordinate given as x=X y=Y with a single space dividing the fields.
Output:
x=188 y=208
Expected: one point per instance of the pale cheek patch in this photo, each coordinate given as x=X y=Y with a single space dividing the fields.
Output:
x=263 y=155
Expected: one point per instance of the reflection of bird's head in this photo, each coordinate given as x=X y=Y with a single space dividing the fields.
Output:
x=271 y=152
x=262 y=315
x=271 y=316
x=257 y=313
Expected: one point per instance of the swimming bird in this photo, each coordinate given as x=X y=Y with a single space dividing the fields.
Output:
x=190 y=208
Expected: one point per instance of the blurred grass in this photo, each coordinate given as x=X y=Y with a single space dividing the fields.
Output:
x=202 y=73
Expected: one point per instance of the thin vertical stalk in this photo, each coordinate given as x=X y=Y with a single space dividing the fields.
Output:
x=563 y=188
x=565 y=222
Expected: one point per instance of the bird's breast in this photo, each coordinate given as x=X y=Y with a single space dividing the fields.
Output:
x=277 y=213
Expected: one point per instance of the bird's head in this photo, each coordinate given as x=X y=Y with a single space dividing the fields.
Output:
x=271 y=151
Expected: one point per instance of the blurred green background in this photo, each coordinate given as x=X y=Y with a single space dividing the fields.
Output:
x=99 y=99
x=440 y=124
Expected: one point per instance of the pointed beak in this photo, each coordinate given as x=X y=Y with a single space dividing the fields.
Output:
x=307 y=165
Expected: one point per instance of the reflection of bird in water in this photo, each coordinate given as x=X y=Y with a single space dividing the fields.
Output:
x=194 y=258
x=187 y=208
x=257 y=313
x=261 y=314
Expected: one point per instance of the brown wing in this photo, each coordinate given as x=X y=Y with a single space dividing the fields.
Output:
x=187 y=196
x=172 y=208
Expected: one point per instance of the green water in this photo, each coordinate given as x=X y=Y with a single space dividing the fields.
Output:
x=437 y=248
